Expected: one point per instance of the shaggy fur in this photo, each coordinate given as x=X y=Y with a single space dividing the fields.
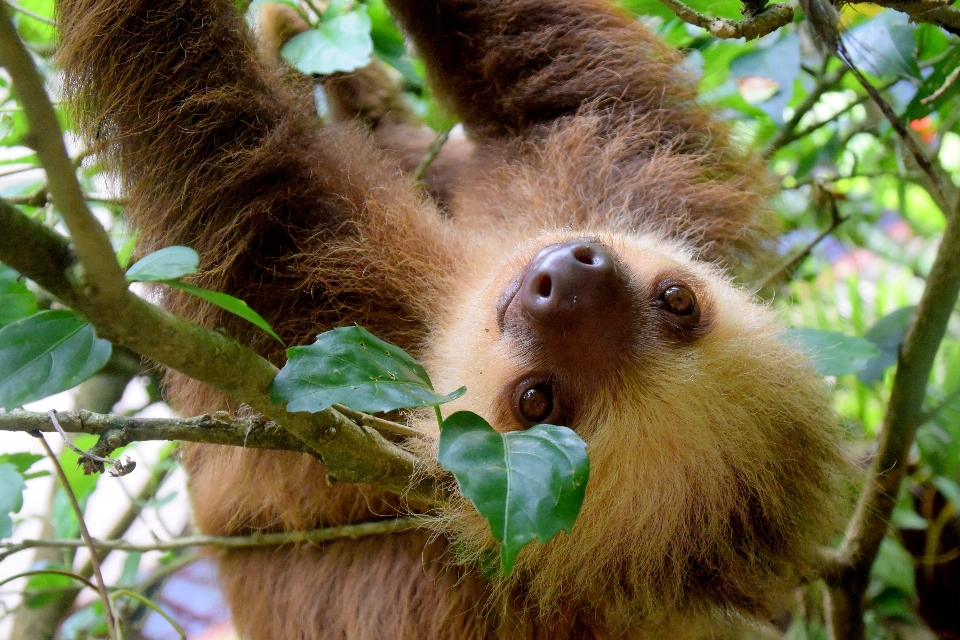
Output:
x=716 y=463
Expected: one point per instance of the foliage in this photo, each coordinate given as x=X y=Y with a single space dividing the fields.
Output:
x=852 y=299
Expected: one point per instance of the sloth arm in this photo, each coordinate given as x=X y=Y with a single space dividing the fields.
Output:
x=215 y=150
x=309 y=225
x=600 y=113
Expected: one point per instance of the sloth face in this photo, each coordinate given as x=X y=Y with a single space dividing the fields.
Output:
x=716 y=465
x=566 y=317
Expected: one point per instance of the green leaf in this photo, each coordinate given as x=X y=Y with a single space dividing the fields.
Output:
x=6 y=125
x=169 y=263
x=11 y=497
x=834 y=353
x=46 y=353
x=22 y=461
x=340 y=44
x=43 y=588
x=936 y=83
x=229 y=303
x=166 y=265
x=16 y=301
x=892 y=568
x=126 y=249
x=527 y=484
x=888 y=335
x=884 y=45
x=353 y=367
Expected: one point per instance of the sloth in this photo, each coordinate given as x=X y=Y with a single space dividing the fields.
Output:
x=573 y=262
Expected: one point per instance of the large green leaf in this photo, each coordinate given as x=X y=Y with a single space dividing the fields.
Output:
x=16 y=301
x=168 y=263
x=353 y=367
x=527 y=484
x=341 y=43
x=11 y=497
x=884 y=45
x=835 y=353
x=46 y=353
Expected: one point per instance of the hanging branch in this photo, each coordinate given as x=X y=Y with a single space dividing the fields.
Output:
x=768 y=21
x=849 y=573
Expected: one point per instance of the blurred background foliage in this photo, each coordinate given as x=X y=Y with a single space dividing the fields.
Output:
x=842 y=169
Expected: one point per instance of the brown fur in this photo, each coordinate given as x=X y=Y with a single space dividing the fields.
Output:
x=716 y=464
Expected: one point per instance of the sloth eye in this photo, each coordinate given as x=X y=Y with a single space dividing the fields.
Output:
x=536 y=403
x=679 y=300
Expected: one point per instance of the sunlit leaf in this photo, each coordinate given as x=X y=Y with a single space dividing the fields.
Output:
x=168 y=263
x=47 y=353
x=353 y=367
x=527 y=484
x=340 y=44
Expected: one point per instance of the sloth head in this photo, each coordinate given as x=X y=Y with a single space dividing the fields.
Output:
x=716 y=466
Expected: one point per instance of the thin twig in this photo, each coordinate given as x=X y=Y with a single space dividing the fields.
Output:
x=787 y=134
x=350 y=531
x=87 y=539
x=432 y=152
x=377 y=423
x=910 y=142
x=32 y=14
x=56 y=572
x=150 y=604
x=789 y=265
x=117 y=431
x=781 y=141
x=122 y=468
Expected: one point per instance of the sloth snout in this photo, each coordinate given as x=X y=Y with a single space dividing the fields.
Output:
x=575 y=301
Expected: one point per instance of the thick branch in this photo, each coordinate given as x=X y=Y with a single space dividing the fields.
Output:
x=848 y=578
x=771 y=19
x=119 y=431
x=938 y=12
x=352 y=452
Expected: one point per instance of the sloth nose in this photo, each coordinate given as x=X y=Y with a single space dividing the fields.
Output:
x=576 y=300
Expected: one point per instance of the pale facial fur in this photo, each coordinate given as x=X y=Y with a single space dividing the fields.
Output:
x=713 y=460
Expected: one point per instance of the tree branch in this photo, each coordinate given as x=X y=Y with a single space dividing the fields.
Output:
x=849 y=574
x=938 y=12
x=352 y=452
x=771 y=19
x=118 y=431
